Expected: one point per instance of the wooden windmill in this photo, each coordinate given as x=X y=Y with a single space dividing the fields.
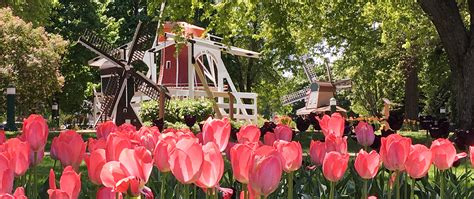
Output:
x=317 y=94
x=120 y=80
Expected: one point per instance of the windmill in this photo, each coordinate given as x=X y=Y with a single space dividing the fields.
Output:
x=318 y=93
x=120 y=79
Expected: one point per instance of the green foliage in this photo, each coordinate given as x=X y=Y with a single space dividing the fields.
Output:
x=35 y=11
x=30 y=59
x=176 y=109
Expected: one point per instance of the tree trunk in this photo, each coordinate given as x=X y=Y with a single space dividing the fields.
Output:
x=459 y=44
x=411 y=88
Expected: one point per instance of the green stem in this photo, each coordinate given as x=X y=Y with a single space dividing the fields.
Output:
x=388 y=185
x=290 y=185
x=134 y=197
x=405 y=189
x=163 y=182
x=443 y=185
x=364 y=190
x=331 y=192
x=216 y=195
x=412 y=191
x=195 y=191
x=397 y=185
x=35 y=184
x=246 y=192
x=207 y=193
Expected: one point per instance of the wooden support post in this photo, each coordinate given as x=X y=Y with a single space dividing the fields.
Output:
x=208 y=91
x=231 y=106
x=161 y=111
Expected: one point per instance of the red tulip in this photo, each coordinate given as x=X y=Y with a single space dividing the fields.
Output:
x=70 y=148
x=19 y=194
x=94 y=144
x=335 y=165
x=126 y=127
x=200 y=138
x=212 y=167
x=115 y=145
x=419 y=161
x=217 y=131
x=107 y=193
x=130 y=173
x=367 y=164
x=335 y=143
x=104 y=129
x=94 y=162
x=19 y=155
x=3 y=138
x=240 y=158
x=248 y=133
x=162 y=153
x=265 y=170
x=291 y=154
x=394 y=151
x=69 y=183
x=186 y=160
x=6 y=173
x=269 y=138
x=283 y=132
x=35 y=131
x=148 y=137
x=365 y=134
x=471 y=154
x=444 y=153
x=317 y=151
x=332 y=124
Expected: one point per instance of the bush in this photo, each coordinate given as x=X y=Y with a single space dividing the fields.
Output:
x=176 y=109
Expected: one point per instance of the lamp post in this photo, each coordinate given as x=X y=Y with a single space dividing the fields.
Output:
x=55 y=113
x=11 y=92
x=332 y=104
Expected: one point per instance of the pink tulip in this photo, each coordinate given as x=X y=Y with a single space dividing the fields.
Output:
x=335 y=143
x=115 y=145
x=35 y=160
x=130 y=173
x=200 y=138
x=372 y=197
x=394 y=151
x=94 y=162
x=212 y=167
x=365 y=134
x=240 y=158
x=317 y=151
x=419 y=161
x=70 y=148
x=367 y=164
x=19 y=155
x=265 y=170
x=250 y=192
x=107 y=193
x=186 y=160
x=333 y=124
x=269 y=138
x=104 y=129
x=19 y=194
x=35 y=131
x=69 y=183
x=148 y=137
x=3 y=138
x=291 y=154
x=162 y=153
x=444 y=153
x=126 y=127
x=335 y=165
x=471 y=154
x=6 y=173
x=217 y=131
x=94 y=144
x=248 y=133
x=283 y=132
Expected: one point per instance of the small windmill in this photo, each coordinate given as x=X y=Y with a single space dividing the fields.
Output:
x=120 y=80
x=318 y=93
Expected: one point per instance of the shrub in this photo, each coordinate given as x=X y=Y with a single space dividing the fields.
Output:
x=176 y=109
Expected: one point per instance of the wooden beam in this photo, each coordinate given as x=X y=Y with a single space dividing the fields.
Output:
x=208 y=91
x=161 y=110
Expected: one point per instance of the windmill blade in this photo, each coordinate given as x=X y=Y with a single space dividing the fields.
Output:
x=99 y=46
x=142 y=41
x=147 y=87
x=343 y=84
x=296 y=96
x=310 y=72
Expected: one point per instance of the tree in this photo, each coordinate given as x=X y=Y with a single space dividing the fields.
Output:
x=30 y=58
x=35 y=11
x=457 y=38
